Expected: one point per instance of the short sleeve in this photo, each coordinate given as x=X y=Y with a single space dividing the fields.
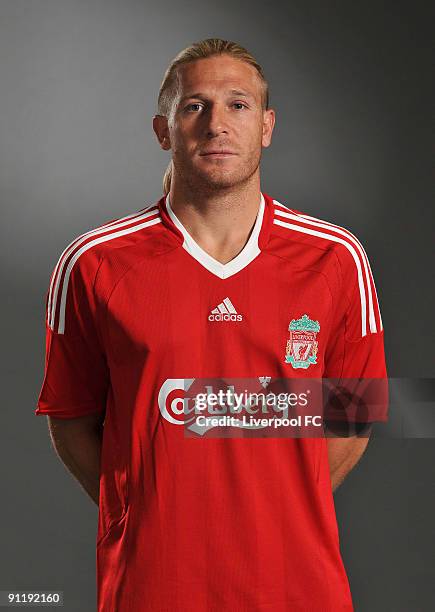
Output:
x=356 y=343
x=76 y=376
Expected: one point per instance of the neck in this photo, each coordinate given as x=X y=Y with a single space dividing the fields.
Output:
x=219 y=221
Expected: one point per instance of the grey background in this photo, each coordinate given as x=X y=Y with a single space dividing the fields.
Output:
x=351 y=86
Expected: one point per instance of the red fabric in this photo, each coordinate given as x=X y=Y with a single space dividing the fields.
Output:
x=208 y=523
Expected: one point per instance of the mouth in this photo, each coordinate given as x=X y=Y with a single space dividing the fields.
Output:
x=217 y=154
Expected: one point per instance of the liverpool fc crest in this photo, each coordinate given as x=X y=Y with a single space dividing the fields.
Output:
x=301 y=348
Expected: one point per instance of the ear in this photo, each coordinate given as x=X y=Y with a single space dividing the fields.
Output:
x=268 y=125
x=161 y=130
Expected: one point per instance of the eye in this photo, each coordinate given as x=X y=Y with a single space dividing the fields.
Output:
x=190 y=107
x=239 y=104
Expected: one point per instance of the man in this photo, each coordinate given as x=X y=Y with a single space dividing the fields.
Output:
x=209 y=282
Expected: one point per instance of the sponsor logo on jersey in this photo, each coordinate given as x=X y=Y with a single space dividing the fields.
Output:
x=301 y=350
x=203 y=404
x=225 y=311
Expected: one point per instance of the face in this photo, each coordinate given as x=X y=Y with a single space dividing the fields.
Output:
x=217 y=126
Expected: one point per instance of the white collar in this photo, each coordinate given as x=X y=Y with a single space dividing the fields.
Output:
x=246 y=255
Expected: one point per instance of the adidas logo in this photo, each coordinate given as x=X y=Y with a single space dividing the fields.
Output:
x=225 y=311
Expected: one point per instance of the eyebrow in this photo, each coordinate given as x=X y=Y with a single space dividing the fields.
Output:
x=236 y=92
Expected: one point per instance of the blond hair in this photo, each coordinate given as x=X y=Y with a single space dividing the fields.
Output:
x=201 y=50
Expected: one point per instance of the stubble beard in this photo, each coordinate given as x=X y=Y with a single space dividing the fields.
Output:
x=204 y=183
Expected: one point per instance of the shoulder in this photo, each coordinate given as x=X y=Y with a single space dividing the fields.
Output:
x=356 y=282
x=324 y=230
x=115 y=233
x=87 y=249
x=322 y=234
x=77 y=265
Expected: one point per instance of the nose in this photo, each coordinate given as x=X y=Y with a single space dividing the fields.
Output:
x=216 y=121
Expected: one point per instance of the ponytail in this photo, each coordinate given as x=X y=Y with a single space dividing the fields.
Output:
x=167 y=179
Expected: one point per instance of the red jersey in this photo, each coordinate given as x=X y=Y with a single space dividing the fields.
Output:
x=136 y=308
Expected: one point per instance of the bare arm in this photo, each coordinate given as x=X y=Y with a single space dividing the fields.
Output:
x=343 y=455
x=78 y=444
